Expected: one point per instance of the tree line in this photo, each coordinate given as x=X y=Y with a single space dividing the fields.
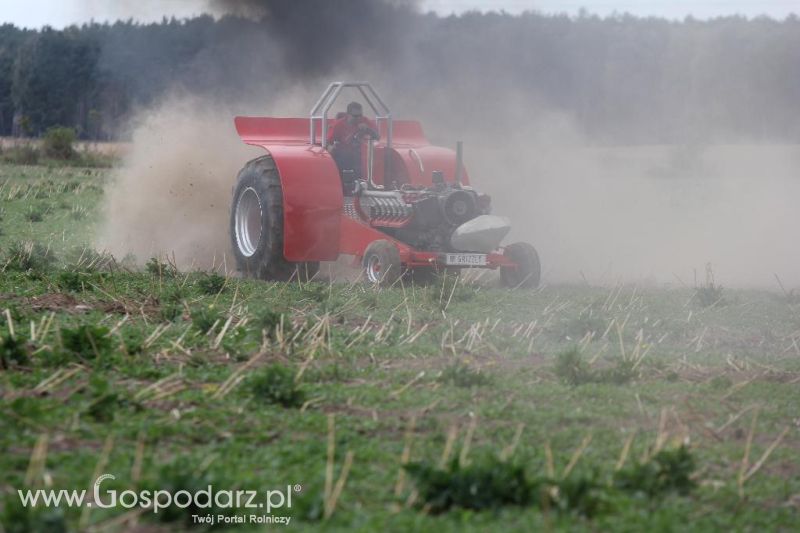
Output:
x=624 y=79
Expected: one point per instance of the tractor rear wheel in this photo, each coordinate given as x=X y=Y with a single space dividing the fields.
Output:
x=257 y=224
x=528 y=270
x=381 y=263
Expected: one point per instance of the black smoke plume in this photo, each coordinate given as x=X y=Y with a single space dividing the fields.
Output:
x=317 y=36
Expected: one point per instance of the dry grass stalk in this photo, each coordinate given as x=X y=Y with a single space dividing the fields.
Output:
x=404 y=457
x=699 y=345
x=167 y=391
x=37 y=461
x=235 y=295
x=332 y=491
x=756 y=467
x=102 y=461
x=119 y=324
x=736 y=388
x=236 y=377
x=339 y=487
x=309 y=403
x=463 y=458
x=682 y=435
x=45 y=324
x=153 y=337
x=159 y=387
x=577 y=455
x=731 y=363
x=550 y=465
x=584 y=342
x=734 y=418
x=662 y=435
x=608 y=329
x=612 y=297
x=745 y=464
x=793 y=345
x=626 y=448
x=509 y=450
x=415 y=336
x=222 y=333
x=303 y=367
x=57 y=378
x=9 y=323
x=603 y=349
x=405 y=387
x=639 y=355
x=452 y=434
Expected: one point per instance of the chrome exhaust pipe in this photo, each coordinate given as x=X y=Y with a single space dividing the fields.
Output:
x=459 y=162
x=370 y=165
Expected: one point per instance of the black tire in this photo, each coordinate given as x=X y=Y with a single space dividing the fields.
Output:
x=381 y=263
x=256 y=224
x=528 y=271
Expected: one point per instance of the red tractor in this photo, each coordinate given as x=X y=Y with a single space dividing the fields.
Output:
x=410 y=215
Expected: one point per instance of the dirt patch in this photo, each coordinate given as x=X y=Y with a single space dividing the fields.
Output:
x=67 y=303
x=494 y=362
x=57 y=301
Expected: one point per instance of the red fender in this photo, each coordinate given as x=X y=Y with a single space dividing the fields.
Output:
x=312 y=189
x=312 y=202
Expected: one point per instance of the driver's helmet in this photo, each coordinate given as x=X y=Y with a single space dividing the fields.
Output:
x=355 y=109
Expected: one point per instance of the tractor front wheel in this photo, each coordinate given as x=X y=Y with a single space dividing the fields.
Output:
x=257 y=225
x=381 y=263
x=528 y=270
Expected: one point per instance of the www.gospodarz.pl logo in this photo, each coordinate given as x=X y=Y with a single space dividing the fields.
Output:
x=265 y=501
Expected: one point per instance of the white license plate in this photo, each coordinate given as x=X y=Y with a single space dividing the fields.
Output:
x=465 y=259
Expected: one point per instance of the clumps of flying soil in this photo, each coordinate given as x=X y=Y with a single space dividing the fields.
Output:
x=170 y=197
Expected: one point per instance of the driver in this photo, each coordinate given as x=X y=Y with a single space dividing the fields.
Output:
x=344 y=139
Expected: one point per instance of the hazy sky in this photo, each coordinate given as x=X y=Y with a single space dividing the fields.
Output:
x=59 y=13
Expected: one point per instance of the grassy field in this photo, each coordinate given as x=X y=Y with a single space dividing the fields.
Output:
x=455 y=407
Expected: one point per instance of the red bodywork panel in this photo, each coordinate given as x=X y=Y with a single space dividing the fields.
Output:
x=315 y=226
x=312 y=190
x=263 y=131
x=312 y=202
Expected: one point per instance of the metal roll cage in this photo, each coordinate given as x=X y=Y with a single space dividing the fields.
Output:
x=328 y=98
x=381 y=110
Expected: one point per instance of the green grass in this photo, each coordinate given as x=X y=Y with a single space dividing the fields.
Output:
x=56 y=207
x=173 y=380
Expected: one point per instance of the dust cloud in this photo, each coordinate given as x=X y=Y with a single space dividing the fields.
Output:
x=596 y=211
x=656 y=213
x=170 y=198
x=641 y=214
